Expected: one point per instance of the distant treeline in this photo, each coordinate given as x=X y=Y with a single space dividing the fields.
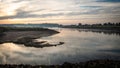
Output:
x=31 y=25
x=108 y=26
x=104 y=24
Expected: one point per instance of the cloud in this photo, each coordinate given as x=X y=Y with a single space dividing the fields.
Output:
x=108 y=1
x=17 y=1
x=21 y=9
x=90 y=7
x=28 y=14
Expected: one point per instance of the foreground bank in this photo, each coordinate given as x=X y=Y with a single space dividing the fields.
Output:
x=88 y=64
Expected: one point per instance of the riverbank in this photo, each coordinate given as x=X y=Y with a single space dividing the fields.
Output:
x=88 y=64
x=26 y=36
x=115 y=27
x=100 y=28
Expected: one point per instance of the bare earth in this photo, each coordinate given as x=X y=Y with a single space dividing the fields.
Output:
x=10 y=36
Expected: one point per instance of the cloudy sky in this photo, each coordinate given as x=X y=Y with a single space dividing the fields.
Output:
x=59 y=11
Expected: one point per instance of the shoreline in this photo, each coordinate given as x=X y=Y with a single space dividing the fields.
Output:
x=106 y=63
x=109 y=29
x=27 y=36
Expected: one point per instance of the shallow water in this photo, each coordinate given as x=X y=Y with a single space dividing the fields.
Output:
x=79 y=46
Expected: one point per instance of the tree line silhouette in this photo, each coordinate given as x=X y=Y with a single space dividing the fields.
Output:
x=104 y=26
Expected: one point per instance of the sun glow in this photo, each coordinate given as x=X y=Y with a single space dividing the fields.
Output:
x=58 y=11
x=10 y=9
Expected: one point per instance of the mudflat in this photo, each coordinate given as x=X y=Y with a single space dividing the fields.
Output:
x=26 y=36
x=11 y=36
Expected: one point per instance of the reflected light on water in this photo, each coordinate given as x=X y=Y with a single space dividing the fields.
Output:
x=79 y=46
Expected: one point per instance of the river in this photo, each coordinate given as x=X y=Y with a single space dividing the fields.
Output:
x=80 y=45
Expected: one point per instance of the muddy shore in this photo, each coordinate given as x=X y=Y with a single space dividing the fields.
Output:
x=27 y=36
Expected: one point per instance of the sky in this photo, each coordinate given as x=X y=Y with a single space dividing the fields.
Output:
x=59 y=11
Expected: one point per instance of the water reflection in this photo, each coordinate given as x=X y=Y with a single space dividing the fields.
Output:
x=109 y=32
x=79 y=46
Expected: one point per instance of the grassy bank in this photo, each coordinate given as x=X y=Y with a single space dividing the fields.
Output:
x=87 y=64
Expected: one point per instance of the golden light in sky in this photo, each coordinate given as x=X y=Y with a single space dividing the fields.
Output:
x=59 y=11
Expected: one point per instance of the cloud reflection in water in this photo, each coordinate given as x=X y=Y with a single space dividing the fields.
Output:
x=79 y=46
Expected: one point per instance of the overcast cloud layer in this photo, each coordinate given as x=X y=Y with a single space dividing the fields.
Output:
x=61 y=11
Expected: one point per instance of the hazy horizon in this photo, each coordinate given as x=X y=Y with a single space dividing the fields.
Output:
x=59 y=11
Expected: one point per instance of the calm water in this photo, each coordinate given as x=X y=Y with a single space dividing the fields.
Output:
x=79 y=46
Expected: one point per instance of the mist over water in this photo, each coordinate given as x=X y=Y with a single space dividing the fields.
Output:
x=79 y=46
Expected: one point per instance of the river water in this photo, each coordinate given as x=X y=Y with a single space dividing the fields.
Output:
x=79 y=46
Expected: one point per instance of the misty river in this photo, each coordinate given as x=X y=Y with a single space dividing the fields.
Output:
x=80 y=45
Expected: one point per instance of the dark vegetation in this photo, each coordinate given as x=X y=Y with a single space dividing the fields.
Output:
x=104 y=26
x=88 y=64
x=101 y=26
x=3 y=29
x=31 y=25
